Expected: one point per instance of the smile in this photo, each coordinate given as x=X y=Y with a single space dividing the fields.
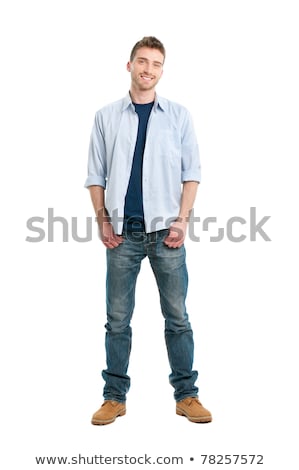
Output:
x=147 y=79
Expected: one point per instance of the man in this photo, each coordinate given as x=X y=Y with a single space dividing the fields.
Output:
x=143 y=174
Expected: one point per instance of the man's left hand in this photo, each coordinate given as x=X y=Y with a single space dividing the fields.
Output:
x=176 y=235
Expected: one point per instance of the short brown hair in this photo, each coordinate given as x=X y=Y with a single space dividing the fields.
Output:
x=147 y=41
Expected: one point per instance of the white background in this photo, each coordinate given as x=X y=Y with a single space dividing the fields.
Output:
x=234 y=64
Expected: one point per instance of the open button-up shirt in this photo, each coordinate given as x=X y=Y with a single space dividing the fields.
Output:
x=170 y=158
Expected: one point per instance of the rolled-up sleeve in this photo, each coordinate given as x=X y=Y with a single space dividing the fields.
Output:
x=97 y=165
x=191 y=167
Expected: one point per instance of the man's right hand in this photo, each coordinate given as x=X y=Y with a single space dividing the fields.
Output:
x=107 y=235
x=106 y=232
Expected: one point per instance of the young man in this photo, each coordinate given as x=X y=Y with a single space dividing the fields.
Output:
x=143 y=173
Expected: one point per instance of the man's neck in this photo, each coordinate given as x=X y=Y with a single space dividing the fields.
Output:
x=142 y=97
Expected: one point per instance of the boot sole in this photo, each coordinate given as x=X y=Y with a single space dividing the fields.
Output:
x=194 y=419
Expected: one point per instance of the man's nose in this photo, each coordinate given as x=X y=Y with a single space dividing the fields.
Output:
x=148 y=69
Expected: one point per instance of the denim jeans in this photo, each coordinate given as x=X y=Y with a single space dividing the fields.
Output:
x=169 y=268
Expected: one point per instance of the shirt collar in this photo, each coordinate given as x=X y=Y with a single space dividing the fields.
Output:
x=158 y=103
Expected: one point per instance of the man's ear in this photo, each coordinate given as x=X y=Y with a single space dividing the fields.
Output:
x=129 y=66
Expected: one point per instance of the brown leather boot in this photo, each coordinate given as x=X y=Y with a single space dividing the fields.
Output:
x=193 y=410
x=108 y=412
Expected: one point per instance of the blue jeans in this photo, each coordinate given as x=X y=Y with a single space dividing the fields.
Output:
x=169 y=268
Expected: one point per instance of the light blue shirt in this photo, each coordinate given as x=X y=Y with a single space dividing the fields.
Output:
x=170 y=158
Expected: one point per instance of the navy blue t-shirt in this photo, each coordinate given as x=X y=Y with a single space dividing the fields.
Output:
x=134 y=216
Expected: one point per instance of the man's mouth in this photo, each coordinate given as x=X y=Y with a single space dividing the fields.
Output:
x=146 y=78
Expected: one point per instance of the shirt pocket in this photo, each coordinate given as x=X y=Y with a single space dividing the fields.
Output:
x=169 y=146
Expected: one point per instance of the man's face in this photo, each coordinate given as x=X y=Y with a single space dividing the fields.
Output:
x=146 y=68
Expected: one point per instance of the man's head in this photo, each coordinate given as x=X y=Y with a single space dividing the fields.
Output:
x=146 y=63
x=148 y=41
